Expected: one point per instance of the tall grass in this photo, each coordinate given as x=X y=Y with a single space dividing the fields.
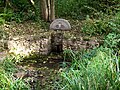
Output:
x=7 y=79
x=92 y=72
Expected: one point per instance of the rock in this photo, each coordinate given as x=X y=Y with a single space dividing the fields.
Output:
x=29 y=45
x=20 y=74
x=79 y=44
x=60 y=24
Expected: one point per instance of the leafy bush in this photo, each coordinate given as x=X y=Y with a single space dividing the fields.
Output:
x=114 y=23
x=93 y=73
x=77 y=9
x=103 y=25
x=2 y=21
x=18 y=11
x=93 y=26
x=71 y=8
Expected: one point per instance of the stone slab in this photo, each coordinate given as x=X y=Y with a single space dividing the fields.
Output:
x=60 y=24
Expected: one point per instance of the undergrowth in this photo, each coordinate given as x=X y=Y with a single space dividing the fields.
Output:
x=94 y=70
x=7 y=79
x=103 y=25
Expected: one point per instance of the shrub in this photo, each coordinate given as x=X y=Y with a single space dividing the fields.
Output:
x=70 y=8
x=103 y=25
x=77 y=9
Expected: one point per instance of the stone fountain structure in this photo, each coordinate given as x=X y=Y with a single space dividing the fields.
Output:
x=58 y=26
x=45 y=43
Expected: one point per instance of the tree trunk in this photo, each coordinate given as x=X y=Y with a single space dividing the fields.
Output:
x=47 y=8
x=52 y=9
x=49 y=12
x=44 y=9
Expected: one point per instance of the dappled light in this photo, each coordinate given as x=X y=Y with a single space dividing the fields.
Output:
x=59 y=45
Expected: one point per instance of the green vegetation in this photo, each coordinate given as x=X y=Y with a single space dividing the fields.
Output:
x=7 y=79
x=94 y=69
x=78 y=9
x=112 y=40
x=103 y=25
x=97 y=69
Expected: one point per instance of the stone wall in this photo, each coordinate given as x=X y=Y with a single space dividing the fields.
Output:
x=37 y=45
x=29 y=45
x=75 y=45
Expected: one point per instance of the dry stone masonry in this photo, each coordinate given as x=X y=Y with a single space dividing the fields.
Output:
x=36 y=45
x=29 y=45
x=45 y=43
x=58 y=25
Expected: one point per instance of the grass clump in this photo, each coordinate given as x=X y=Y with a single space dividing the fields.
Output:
x=92 y=72
x=7 y=79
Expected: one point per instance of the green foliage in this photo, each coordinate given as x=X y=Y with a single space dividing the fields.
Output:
x=2 y=21
x=21 y=4
x=23 y=16
x=78 y=9
x=18 y=11
x=94 y=72
x=70 y=8
x=15 y=58
x=114 y=23
x=6 y=16
x=75 y=9
x=7 y=80
x=103 y=25
x=8 y=65
x=112 y=40
x=23 y=11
